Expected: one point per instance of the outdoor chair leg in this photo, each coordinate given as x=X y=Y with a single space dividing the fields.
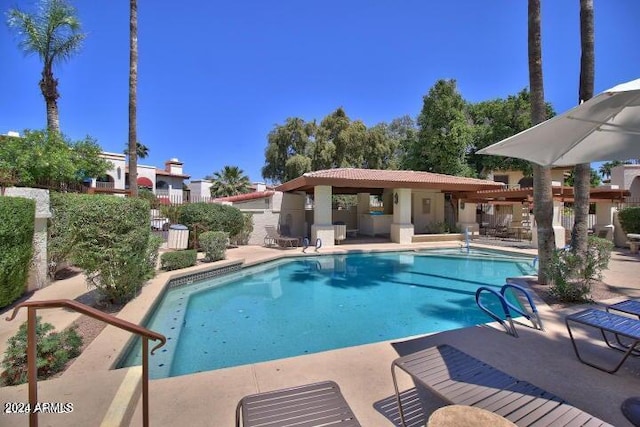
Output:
x=631 y=350
x=395 y=385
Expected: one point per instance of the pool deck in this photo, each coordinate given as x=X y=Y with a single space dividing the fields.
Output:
x=545 y=359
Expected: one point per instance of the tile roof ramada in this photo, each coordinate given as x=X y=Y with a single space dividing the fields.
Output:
x=395 y=175
x=376 y=178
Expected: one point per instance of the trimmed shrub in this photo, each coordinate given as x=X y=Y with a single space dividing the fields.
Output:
x=53 y=351
x=152 y=255
x=214 y=245
x=202 y=217
x=146 y=194
x=17 y=218
x=178 y=259
x=572 y=276
x=242 y=238
x=61 y=237
x=630 y=219
x=113 y=244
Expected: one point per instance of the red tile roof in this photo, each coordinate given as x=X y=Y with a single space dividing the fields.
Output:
x=245 y=197
x=377 y=179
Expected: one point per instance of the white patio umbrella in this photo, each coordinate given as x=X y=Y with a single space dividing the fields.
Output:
x=604 y=128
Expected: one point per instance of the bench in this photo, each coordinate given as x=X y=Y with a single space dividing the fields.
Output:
x=460 y=379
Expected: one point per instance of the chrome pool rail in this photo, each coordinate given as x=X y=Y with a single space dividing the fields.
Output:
x=507 y=307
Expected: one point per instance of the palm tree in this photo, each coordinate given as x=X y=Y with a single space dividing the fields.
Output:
x=605 y=168
x=142 y=151
x=582 y=172
x=230 y=181
x=52 y=33
x=133 y=97
x=543 y=206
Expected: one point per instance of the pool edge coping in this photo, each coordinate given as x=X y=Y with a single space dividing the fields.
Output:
x=108 y=349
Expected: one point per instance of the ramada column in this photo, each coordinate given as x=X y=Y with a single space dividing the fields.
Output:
x=401 y=228
x=322 y=227
x=604 y=217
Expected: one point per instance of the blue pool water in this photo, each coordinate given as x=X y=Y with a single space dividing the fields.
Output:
x=306 y=305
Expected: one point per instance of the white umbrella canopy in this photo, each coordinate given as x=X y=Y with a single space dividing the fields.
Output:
x=604 y=128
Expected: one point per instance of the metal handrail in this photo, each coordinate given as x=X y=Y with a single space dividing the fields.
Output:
x=32 y=372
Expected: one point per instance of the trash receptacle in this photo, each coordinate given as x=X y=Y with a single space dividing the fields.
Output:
x=178 y=237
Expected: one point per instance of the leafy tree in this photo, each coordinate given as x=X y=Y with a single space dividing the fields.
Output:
x=229 y=181
x=444 y=135
x=594 y=178
x=543 y=207
x=142 y=150
x=133 y=97
x=53 y=33
x=296 y=146
x=380 y=149
x=285 y=141
x=496 y=120
x=42 y=156
x=582 y=172
x=334 y=132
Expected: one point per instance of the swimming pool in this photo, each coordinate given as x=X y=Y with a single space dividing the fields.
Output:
x=305 y=305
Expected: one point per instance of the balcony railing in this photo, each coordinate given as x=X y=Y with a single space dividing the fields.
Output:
x=106 y=185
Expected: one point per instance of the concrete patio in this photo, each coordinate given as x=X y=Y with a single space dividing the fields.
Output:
x=545 y=359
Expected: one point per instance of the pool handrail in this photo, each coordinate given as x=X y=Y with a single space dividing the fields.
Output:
x=509 y=327
x=534 y=316
x=507 y=307
x=32 y=371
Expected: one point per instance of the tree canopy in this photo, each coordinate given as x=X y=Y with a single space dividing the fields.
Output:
x=53 y=33
x=444 y=138
x=444 y=133
x=296 y=146
x=43 y=155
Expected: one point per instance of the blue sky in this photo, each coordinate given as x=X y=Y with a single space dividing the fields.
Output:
x=216 y=77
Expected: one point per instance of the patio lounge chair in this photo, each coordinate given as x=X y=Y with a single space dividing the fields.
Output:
x=460 y=379
x=274 y=238
x=629 y=306
x=318 y=404
x=620 y=326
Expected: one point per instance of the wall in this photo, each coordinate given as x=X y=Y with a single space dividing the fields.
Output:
x=624 y=176
x=286 y=208
x=422 y=220
x=38 y=276
x=200 y=188
x=117 y=161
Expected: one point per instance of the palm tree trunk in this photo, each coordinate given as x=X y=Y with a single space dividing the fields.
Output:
x=49 y=89
x=133 y=95
x=582 y=172
x=542 y=195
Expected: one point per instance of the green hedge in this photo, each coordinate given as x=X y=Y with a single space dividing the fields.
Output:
x=630 y=219
x=214 y=244
x=178 y=259
x=113 y=244
x=61 y=236
x=17 y=217
x=202 y=217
